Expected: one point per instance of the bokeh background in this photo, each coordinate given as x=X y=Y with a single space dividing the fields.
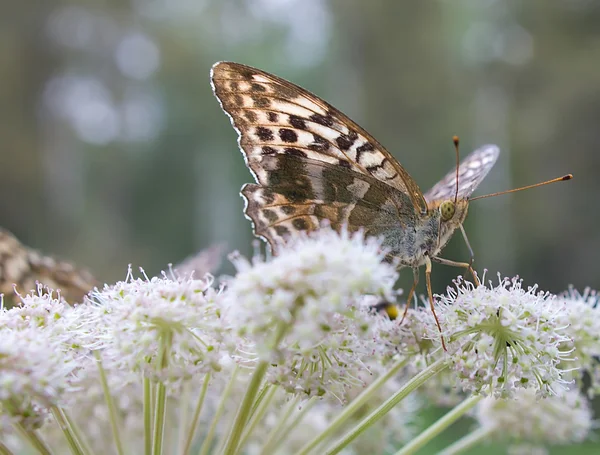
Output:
x=113 y=149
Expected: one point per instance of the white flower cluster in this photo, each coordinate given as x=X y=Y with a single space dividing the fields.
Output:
x=302 y=311
x=503 y=338
x=297 y=327
x=166 y=328
x=581 y=316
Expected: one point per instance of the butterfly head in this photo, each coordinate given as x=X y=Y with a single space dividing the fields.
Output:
x=451 y=215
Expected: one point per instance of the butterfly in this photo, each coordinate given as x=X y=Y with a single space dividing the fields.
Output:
x=312 y=164
x=22 y=267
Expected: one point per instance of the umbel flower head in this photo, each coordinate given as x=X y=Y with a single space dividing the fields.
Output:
x=581 y=317
x=302 y=311
x=503 y=338
x=167 y=328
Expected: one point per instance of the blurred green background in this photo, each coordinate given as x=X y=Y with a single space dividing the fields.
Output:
x=113 y=149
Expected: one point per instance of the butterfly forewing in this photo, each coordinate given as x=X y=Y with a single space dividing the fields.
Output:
x=471 y=172
x=275 y=117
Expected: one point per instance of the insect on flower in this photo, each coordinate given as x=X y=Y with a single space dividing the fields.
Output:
x=312 y=164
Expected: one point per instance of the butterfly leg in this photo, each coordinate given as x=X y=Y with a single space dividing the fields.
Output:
x=430 y=295
x=411 y=293
x=463 y=265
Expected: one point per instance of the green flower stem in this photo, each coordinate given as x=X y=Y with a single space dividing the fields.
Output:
x=259 y=413
x=74 y=444
x=259 y=398
x=5 y=450
x=78 y=433
x=147 y=416
x=440 y=425
x=159 y=419
x=354 y=406
x=299 y=416
x=220 y=408
x=382 y=410
x=468 y=441
x=33 y=438
x=160 y=406
x=269 y=444
x=110 y=403
x=194 y=424
x=244 y=410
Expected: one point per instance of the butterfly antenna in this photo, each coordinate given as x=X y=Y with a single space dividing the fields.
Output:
x=558 y=179
x=456 y=142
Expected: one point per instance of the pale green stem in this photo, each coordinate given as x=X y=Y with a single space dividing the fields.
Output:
x=440 y=425
x=244 y=410
x=194 y=425
x=382 y=410
x=259 y=398
x=147 y=416
x=72 y=441
x=258 y=415
x=159 y=419
x=468 y=441
x=33 y=438
x=275 y=432
x=354 y=406
x=160 y=407
x=5 y=450
x=220 y=408
x=184 y=415
x=110 y=403
x=307 y=406
x=78 y=433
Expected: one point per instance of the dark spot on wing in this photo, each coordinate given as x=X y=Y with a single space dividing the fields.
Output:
x=258 y=88
x=261 y=101
x=345 y=164
x=234 y=86
x=324 y=120
x=272 y=116
x=264 y=134
x=345 y=141
x=270 y=215
x=246 y=74
x=282 y=231
x=288 y=135
x=266 y=150
x=288 y=209
x=250 y=116
x=297 y=122
x=300 y=224
x=294 y=152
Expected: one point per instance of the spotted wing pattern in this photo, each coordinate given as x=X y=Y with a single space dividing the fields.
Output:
x=23 y=267
x=310 y=161
x=471 y=172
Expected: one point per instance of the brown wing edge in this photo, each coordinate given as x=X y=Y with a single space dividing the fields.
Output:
x=414 y=192
x=251 y=210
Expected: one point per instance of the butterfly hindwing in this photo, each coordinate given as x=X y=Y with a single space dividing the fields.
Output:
x=471 y=172
x=275 y=117
x=299 y=194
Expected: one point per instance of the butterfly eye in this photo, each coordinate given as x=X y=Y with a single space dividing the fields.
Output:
x=447 y=210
